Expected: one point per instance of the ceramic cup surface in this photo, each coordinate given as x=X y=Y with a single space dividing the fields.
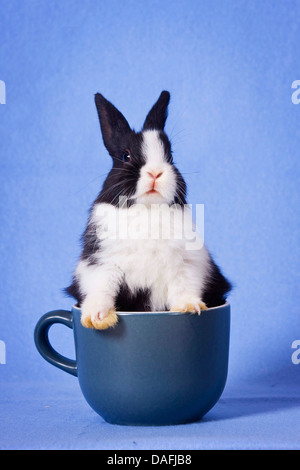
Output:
x=159 y=368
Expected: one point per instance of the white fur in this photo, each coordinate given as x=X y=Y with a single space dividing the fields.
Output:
x=153 y=152
x=175 y=275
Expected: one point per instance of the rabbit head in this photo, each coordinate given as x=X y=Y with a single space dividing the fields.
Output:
x=143 y=170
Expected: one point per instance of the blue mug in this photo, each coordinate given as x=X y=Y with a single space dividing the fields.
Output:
x=151 y=369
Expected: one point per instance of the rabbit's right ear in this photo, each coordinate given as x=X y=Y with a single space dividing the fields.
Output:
x=157 y=116
x=113 y=124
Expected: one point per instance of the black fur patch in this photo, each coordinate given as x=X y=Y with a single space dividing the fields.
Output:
x=123 y=178
x=217 y=288
x=74 y=291
x=91 y=244
x=127 y=301
x=180 y=193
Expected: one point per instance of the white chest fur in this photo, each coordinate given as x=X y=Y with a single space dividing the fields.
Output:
x=154 y=247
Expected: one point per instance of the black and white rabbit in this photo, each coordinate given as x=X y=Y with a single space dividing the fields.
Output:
x=158 y=273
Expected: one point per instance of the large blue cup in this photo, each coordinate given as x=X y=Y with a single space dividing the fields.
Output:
x=159 y=368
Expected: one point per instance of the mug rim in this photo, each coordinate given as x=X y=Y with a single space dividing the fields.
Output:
x=162 y=312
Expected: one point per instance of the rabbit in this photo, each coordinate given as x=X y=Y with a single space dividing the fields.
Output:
x=137 y=273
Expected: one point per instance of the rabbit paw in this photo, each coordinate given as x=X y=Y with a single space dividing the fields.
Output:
x=110 y=319
x=94 y=316
x=191 y=305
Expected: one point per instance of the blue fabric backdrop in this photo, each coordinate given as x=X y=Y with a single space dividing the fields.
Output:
x=229 y=66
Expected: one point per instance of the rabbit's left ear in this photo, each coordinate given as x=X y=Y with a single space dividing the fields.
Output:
x=157 y=116
x=113 y=124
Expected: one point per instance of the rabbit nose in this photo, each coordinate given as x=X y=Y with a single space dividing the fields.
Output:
x=154 y=175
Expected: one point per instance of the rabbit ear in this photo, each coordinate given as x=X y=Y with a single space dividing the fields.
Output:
x=157 y=115
x=113 y=124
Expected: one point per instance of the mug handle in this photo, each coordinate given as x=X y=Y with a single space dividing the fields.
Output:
x=41 y=339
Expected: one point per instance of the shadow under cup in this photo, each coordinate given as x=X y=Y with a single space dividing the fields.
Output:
x=160 y=368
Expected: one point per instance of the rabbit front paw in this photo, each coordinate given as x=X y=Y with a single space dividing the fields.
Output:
x=95 y=315
x=191 y=305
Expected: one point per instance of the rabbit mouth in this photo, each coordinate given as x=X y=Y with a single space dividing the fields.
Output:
x=152 y=191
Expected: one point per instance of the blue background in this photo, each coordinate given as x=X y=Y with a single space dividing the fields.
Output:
x=229 y=66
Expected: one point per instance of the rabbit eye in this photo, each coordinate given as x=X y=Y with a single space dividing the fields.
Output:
x=126 y=156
